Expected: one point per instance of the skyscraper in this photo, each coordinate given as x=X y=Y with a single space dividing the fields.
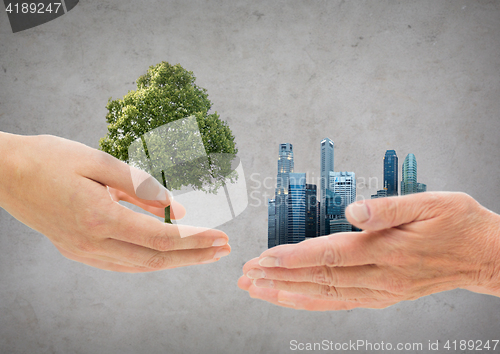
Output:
x=285 y=167
x=391 y=173
x=340 y=225
x=296 y=221
x=380 y=194
x=311 y=211
x=327 y=158
x=333 y=209
x=343 y=184
x=271 y=223
x=421 y=187
x=409 y=177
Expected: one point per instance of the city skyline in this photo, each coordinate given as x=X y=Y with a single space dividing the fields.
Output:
x=301 y=210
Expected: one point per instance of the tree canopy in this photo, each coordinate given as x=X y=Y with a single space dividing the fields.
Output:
x=152 y=128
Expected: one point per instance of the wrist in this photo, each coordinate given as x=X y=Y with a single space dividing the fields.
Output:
x=488 y=279
x=494 y=241
x=10 y=161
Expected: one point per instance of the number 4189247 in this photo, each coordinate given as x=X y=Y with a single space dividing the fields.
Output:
x=471 y=345
x=32 y=8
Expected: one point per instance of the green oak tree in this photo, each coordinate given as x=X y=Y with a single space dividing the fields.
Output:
x=152 y=129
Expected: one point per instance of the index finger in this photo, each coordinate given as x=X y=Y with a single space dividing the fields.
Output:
x=337 y=250
x=139 y=185
x=144 y=230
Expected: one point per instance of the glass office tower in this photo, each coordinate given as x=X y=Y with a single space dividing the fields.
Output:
x=344 y=184
x=285 y=167
x=327 y=155
x=296 y=208
x=311 y=210
x=271 y=223
x=391 y=173
x=421 y=187
x=409 y=177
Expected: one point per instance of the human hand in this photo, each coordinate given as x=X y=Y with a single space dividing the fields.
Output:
x=411 y=246
x=60 y=188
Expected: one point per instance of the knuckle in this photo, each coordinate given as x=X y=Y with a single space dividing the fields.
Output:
x=331 y=256
x=463 y=197
x=434 y=201
x=84 y=247
x=158 y=261
x=324 y=276
x=390 y=210
x=398 y=286
x=92 y=221
x=162 y=243
x=330 y=292
x=200 y=242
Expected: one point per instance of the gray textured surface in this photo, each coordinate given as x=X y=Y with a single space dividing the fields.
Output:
x=420 y=77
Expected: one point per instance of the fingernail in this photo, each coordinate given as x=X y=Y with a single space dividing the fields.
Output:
x=269 y=262
x=286 y=302
x=359 y=212
x=288 y=299
x=256 y=274
x=263 y=283
x=210 y=261
x=149 y=188
x=222 y=253
x=219 y=242
x=164 y=195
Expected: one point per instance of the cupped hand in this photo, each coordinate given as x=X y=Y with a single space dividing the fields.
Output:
x=411 y=246
x=69 y=192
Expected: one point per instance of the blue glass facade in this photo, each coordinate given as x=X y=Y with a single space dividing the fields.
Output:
x=311 y=210
x=421 y=187
x=296 y=208
x=327 y=164
x=344 y=184
x=380 y=194
x=391 y=173
x=334 y=209
x=334 y=204
x=271 y=223
x=285 y=167
x=409 y=177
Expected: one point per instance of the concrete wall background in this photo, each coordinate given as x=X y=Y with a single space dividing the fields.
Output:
x=420 y=77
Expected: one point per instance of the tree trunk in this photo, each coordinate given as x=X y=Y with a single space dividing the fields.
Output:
x=167 y=209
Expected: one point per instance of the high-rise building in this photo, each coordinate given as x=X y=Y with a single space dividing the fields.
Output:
x=391 y=173
x=334 y=204
x=340 y=225
x=285 y=167
x=343 y=184
x=327 y=159
x=311 y=211
x=271 y=223
x=409 y=176
x=380 y=194
x=334 y=209
x=318 y=215
x=421 y=187
x=296 y=208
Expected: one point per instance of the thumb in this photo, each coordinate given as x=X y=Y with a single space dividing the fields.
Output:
x=110 y=171
x=384 y=213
